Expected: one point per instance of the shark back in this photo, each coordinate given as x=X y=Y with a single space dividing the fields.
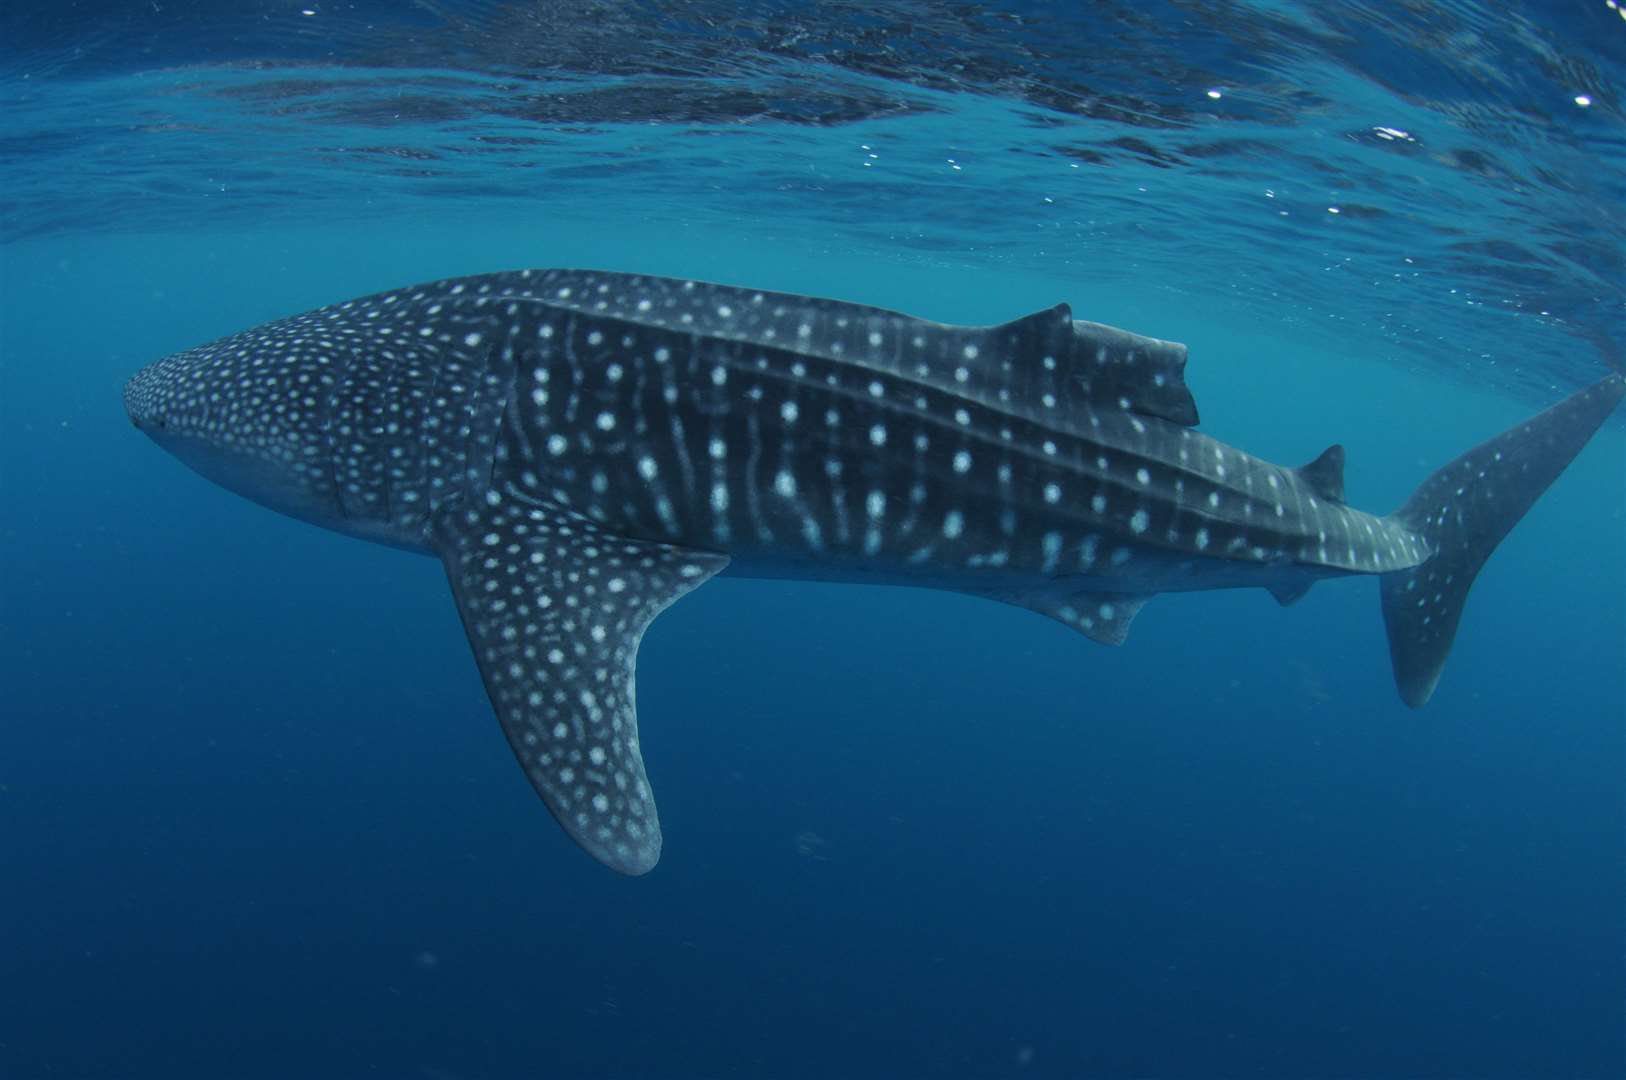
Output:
x=1045 y=365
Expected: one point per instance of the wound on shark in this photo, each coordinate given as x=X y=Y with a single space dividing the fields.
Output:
x=581 y=448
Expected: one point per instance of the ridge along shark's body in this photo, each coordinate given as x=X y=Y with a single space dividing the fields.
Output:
x=582 y=448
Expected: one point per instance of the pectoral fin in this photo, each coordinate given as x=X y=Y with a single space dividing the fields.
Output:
x=555 y=607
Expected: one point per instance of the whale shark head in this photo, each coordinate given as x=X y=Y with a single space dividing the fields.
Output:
x=234 y=412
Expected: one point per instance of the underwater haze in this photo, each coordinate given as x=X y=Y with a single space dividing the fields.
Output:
x=258 y=821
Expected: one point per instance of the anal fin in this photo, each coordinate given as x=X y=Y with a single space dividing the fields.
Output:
x=555 y=607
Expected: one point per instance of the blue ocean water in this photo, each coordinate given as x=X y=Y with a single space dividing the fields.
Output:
x=259 y=821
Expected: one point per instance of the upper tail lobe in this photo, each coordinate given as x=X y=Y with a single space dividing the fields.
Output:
x=1463 y=511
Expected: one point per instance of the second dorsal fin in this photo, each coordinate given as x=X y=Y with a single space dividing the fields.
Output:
x=1325 y=475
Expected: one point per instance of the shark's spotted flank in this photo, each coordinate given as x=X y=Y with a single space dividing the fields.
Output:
x=580 y=449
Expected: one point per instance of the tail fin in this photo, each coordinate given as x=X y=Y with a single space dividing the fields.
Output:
x=1463 y=511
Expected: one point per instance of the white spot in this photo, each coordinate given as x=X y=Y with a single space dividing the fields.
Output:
x=1202 y=539
x=1143 y=476
x=1052 y=550
x=789 y=411
x=962 y=462
x=953 y=524
x=1098 y=503
x=1052 y=493
x=877 y=435
x=718 y=449
x=606 y=421
x=719 y=497
x=785 y=484
x=1138 y=521
x=875 y=504
x=471 y=340
x=647 y=468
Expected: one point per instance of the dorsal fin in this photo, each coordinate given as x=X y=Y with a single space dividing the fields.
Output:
x=1325 y=475
x=1143 y=374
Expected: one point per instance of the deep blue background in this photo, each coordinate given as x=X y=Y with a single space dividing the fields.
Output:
x=259 y=821
x=256 y=818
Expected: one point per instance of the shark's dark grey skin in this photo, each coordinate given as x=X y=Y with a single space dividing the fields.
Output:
x=582 y=448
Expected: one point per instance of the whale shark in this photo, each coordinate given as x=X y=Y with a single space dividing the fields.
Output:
x=581 y=448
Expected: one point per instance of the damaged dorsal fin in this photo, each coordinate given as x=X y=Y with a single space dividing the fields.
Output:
x=1325 y=475
x=1131 y=371
x=1067 y=364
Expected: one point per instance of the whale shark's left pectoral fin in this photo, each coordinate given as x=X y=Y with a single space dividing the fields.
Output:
x=555 y=607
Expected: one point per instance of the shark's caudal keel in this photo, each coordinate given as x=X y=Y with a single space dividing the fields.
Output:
x=580 y=449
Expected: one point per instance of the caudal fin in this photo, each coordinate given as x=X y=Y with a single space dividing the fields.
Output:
x=1463 y=511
